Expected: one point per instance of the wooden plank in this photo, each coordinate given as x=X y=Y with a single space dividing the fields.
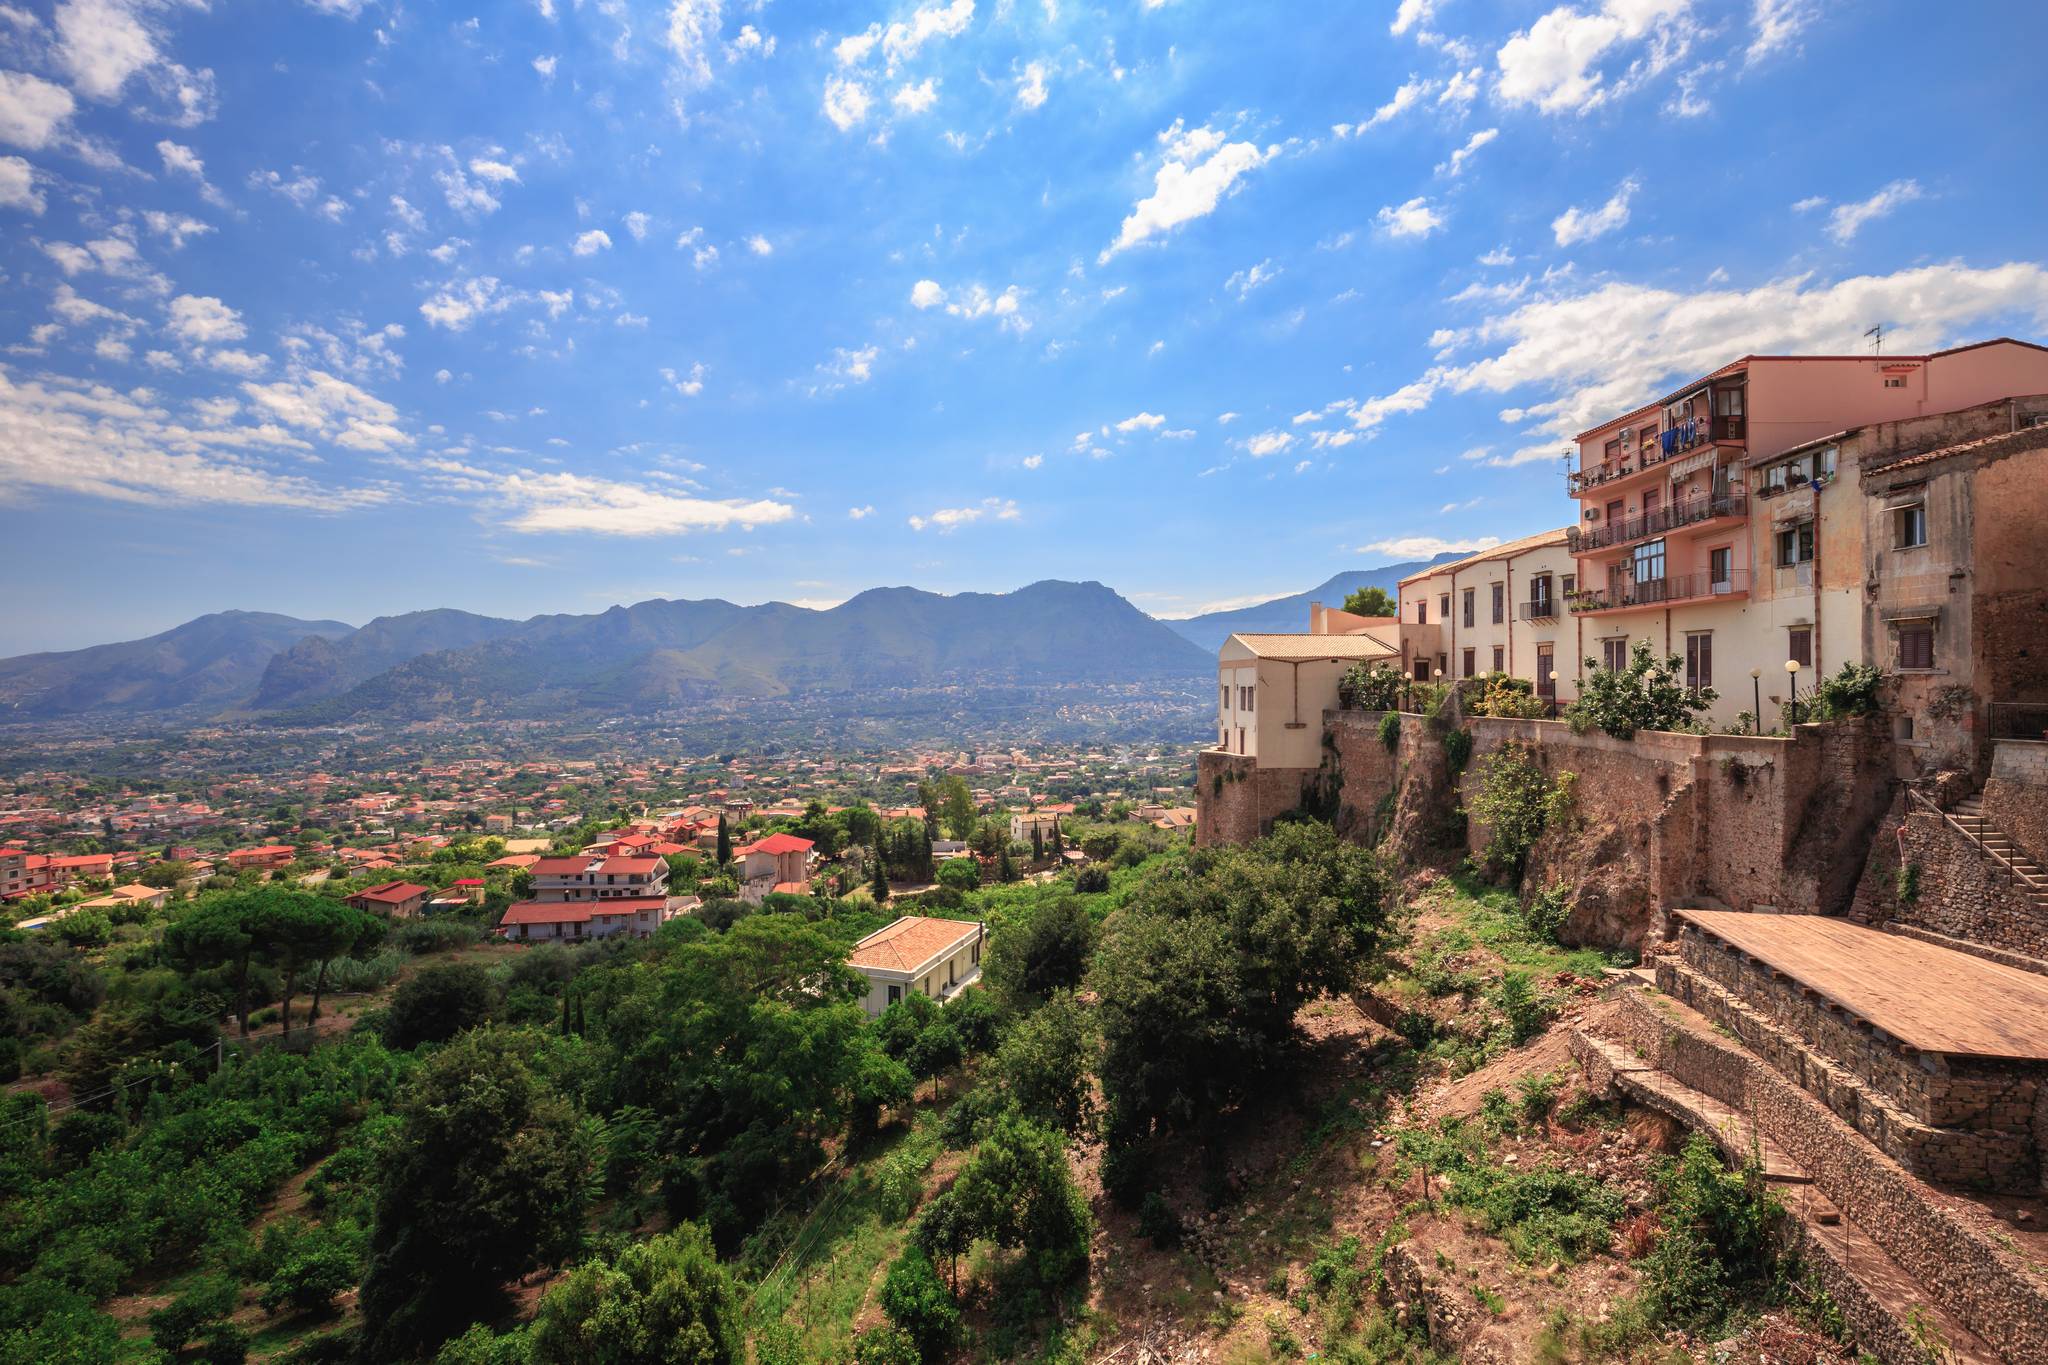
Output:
x=1930 y=999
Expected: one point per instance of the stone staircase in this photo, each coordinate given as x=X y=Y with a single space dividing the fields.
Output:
x=1967 y=817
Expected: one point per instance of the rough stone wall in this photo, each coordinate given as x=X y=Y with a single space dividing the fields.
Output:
x=1959 y=892
x=1370 y=772
x=1236 y=800
x=1943 y=1092
x=2016 y=795
x=1426 y=804
x=1986 y=1285
x=1845 y=774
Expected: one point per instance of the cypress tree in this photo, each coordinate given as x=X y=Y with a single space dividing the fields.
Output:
x=881 y=881
x=724 y=843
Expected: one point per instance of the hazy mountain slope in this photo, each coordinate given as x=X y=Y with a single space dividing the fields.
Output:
x=212 y=661
x=318 y=667
x=1290 y=613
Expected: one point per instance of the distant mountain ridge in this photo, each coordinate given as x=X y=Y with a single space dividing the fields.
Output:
x=1285 y=614
x=648 y=656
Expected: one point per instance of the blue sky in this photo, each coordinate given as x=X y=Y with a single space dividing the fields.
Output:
x=340 y=307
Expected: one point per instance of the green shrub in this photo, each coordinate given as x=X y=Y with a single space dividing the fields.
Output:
x=885 y=1346
x=196 y=1312
x=1158 y=1221
x=919 y=1305
x=1547 y=911
x=1645 y=695
x=1526 y=1011
x=1092 y=880
x=1718 y=1249
x=1857 y=690
x=1374 y=687
x=1516 y=801
x=1504 y=695
x=1457 y=749
x=1390 y=729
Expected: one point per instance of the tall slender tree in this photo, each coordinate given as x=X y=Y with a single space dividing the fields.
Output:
x=724 y=843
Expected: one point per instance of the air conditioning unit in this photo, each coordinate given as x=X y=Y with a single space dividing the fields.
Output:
x=1592 y=514
x=1627 y=434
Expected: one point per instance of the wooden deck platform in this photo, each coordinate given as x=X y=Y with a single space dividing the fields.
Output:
x=1930 y=998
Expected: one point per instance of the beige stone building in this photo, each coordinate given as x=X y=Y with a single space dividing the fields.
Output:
x=1498 y=611
x=1272 y=690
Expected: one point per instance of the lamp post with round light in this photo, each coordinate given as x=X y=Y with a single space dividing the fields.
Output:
x=1756 y=688
x=1553 y=692
x=1792 y=673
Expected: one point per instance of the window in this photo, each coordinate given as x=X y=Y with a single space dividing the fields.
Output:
x=1539 y=595
x=895 y=994
x=1571 y=584
x=1648 y=562
x=1223 y=702
x=1422 y=613
x=1916 y=644
x=1699 y=660
x=1500 y=603
x=1615 y=510
x=1612 y=449
x=1467 y=607
x=1546 y=664
x=1799 y=645
x=1614 y=653
x=1470 y=669
x=1720 y=567
x=1443 y=607
x=1895 y=381
x=1500 y=659
x=1909 y=526
x=1795 y=544
x=1422 y=670
x=1244 y=699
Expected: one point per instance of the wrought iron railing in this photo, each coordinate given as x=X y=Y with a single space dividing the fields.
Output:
x=1650 y=592
x=1661 y=521
x=2019 y=720
x=1541 y=609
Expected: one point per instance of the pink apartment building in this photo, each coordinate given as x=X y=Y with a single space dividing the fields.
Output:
x=1684 y=539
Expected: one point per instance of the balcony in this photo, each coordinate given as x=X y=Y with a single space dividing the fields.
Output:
x=1678 y=515
x=1542 y=609
x=1657 y=448
x=1659 y=592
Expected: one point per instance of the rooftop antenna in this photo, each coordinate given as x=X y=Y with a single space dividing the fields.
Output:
x=1876 y=335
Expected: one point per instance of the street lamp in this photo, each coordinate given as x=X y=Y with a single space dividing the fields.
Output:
x=1792 y=675
x=1756 y=688
x=1553 y=691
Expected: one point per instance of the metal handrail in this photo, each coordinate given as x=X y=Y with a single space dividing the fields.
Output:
x=1678 y=515
x=1993 y=854
x=1650 y=592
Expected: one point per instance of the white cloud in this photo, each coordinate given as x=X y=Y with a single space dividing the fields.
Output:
x=855 y=366
x=554 y=502
x=973 y=301
x=493 y=170
x=1143 y=421
x=1406 y=96
x=465 y=198
x=1033 y=461
x=1848 y=219
x=301 y=188
x=1810 y=203
x=861 y=513
x=760 y=245
x=1031 y=91
x=750 y=42
x=200 y=320
x=1577 y=225
x=18 y=186
x=947 y=520
x=314 y=402
x=692 y=35
x=545 y=66
x=1425 y=547
x=1554 y=63
x=1416 y=218
x=63 y=435
x=1604 y=351
x=1777 y=25
x=927 y=294
x=1411 y=14
x=1200 y=169
x=1267 y=443
x=901 y=41
x=1408 y=398
x=101 y=43
x=636 y=223
x=32 y=109
x=458 y=303
x=1500 y=255
x=592 y=242
x=1461 y=88
x=179 y=227
x=846 y=102
x=916 y=99
x=1456 y=165
x=1245 y=281
x=688 y=385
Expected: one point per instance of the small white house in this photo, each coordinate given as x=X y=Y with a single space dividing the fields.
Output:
x=934 y=957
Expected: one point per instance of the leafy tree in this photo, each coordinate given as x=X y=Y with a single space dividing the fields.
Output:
x=665 y=1301
x=437 y=1003
x=1032 y=955
x=1017 y=1191
x=484 y=1180
x=918 y=1303
x=1646 y=695
x=1201 y=974
x=960 y=874
x=219 y=932
x=203 y=1306
x=301 y=930
x=1006 y=866
x=1370 y=601
x=975 y=1019
x=1370 y=687
x=310 y=1267
x=1516 y=800
x=1045 y=1061
x=951 y=802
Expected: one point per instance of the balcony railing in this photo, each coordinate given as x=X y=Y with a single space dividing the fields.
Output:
x=1655 y=448
x=1651 y=592
x=1541 y=609
x=1684 y=512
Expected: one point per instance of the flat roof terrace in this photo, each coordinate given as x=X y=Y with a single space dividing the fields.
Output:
x=1932 y=999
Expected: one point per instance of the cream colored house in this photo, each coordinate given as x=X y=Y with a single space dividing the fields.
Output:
x=1498 y=611
x=1272 y=690
x=933 y=957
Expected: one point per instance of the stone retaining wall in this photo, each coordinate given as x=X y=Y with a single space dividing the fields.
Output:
x=2016 y=795
x=1236 y=800
x=1941 y=1091
x=1956 y=890
x=1988 y=1286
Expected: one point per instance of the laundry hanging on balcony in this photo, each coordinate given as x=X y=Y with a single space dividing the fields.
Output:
x=1679 y=436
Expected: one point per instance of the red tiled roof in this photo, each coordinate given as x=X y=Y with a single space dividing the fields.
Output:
x=562 y=867
x=578 y=912
x=792 y=888
x=620 y=866
x=395 y=893
x=2004 y=442
x=778 y=844
x=911 y=942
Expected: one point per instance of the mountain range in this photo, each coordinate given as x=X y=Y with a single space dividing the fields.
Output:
x=1283 y=614
x=647 y=657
